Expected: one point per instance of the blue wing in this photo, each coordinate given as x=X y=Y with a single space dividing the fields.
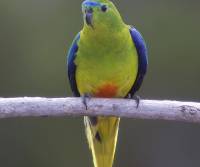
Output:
x=142 y=59
x=71 y=66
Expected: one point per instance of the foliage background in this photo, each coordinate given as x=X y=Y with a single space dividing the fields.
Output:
x=34 y=38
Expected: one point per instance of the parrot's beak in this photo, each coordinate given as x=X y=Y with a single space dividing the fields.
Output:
x=88 y=17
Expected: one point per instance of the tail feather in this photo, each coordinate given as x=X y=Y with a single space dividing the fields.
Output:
x=102 y=135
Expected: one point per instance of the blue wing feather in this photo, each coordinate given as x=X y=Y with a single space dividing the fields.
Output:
x=71 y=66
x=142 y=59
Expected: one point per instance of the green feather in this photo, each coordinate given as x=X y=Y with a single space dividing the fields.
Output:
x=106 y=54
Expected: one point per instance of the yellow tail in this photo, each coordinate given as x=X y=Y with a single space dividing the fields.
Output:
x=102 y=135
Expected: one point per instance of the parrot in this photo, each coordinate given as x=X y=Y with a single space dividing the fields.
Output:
x=107 y=59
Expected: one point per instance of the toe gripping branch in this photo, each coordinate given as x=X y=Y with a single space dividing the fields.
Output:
x=85 y=97
x=136 y=98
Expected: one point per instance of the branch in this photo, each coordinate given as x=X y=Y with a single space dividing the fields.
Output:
x=55 y=107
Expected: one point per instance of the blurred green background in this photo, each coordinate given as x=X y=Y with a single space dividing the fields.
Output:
x=34 y=38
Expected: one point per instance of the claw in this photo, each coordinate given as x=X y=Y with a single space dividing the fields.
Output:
x=84 y=99
x=136 y=98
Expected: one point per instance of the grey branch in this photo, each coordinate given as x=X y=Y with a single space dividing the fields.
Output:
x=57 y=107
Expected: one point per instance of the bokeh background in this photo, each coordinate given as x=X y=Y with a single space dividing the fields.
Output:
x=34 y=38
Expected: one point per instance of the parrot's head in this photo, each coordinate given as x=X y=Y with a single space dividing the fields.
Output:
x=98 y=14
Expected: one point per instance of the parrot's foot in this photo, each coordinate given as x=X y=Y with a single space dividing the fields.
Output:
x=136 y=98
x=85 y=97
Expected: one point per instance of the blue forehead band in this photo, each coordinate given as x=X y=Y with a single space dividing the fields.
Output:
x=90 y=3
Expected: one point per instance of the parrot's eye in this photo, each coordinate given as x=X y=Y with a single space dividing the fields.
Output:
x=104 y=8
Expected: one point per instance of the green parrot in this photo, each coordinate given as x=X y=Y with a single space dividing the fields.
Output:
x=107 y=59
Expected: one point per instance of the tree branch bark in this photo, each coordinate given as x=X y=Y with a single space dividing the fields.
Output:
x=57 y=107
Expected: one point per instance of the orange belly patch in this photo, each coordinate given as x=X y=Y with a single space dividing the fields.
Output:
x=107 y=90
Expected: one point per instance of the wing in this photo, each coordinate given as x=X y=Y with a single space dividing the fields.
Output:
x=71 y=66
x=142 y=59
